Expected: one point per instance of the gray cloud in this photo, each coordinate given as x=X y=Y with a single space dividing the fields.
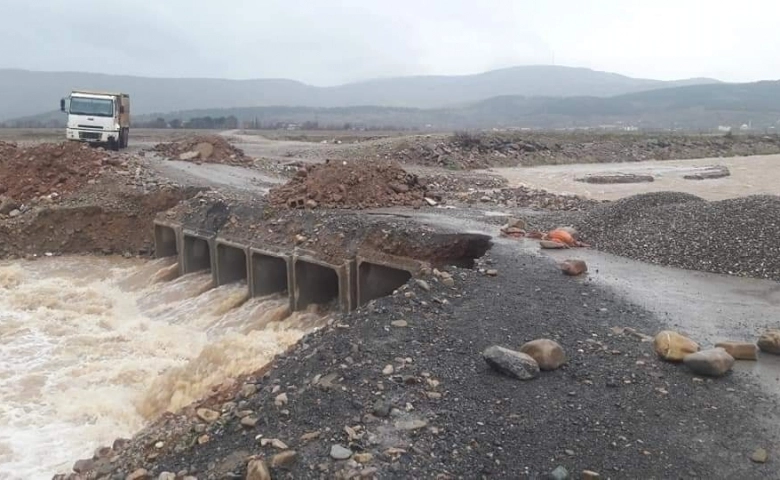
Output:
x=329 y=42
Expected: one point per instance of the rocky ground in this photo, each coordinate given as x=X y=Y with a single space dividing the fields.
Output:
x=735 y=237
x=503 y=149
x=399 y=389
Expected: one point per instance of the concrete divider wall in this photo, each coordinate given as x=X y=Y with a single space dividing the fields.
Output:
x=305 y=278
x=166 y=239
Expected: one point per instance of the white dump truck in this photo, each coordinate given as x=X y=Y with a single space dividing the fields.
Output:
x=98 y=117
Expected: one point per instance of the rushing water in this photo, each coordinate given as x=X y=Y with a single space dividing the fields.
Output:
x=92 y=348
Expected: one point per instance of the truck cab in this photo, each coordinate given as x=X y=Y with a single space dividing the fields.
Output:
x=98 y=117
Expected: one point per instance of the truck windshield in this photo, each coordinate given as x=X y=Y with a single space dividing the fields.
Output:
x=91 y=106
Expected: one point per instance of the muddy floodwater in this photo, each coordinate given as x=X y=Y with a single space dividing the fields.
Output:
x=91 y=348
x=749 y=176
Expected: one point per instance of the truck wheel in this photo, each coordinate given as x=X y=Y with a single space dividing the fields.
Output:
x=113 y=145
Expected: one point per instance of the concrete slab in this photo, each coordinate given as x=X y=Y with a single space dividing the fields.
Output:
x=198 y=252
x=270 y=272
x=320 y=282
x=167 y=239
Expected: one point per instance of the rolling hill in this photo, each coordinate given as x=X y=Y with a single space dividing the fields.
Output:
x=25 y=93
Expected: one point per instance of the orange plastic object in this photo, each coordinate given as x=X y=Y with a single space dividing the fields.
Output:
x=562 y=236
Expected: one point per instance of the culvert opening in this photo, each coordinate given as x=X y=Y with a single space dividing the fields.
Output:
x=197 y=255
x=165 y=242
x=315 y=284
x=231 y=264
x=269 y=274
x=459 y=249
x=375 y=281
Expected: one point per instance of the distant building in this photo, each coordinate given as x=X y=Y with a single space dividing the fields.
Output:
x=723 y=128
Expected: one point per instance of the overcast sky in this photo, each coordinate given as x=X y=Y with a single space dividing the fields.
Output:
x=326 y=42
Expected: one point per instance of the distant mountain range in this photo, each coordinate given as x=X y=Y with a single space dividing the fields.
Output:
x=26 y=93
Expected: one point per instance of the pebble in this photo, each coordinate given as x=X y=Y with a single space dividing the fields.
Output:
x=560 y=473
x=424 y=285
x=590 y=475
x=759 y=456
x=448 y=282
x=382 y=408
x=281 y=400
x=492 y=273
x=399 y=323
x=388 y=370
x=207 y=415
x=257 y=470
x=139 y=474
x=249 y=422
x=363 y=457
x=548 y=353
x=284 y=459
x=337 y=452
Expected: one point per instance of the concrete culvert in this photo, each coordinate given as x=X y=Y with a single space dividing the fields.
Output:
x=231 y=264
x=165 y=242
x=460 y=249
x=269 y=274
x=197 y=254
x=315 y=284
x=375 y=281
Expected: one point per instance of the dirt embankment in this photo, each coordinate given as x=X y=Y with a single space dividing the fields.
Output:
x=497 y=149
x=355 y=185
x=51 y=169
x=204 y=149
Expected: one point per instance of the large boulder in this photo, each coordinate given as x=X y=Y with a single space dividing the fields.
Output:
x=770 y=342
x=509 y=362
x=673 y=347
x=714 y=362
x=740 y=350
x=548 y=354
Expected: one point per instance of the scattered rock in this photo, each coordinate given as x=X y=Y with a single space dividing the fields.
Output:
x=363 y=458
x=207 y=415
x=7 y=205
x=424 y=285
x=257 y=470
x=560 y=473
x=672 y=346
x=166 y=476
x=186 y=156
x=759 y=456
x=274 y=442
x=382 y=408
x=574 y=267
x=411 y=425
x=388 y=370
x=706 y=173
x=714 y=362
x=548 y=354
x=139 y=474
x=514 y=364
x=281 y=400
x=616 y=178
x=84 y=466
x=740 y=350
x=308 y=437
x=284 y=459
x=769 y=342
x=590 y=475
x=249 y=421
x=492 y=273
x=248 y=390
x=337 y=452
x=399 y=323
x=448 y=282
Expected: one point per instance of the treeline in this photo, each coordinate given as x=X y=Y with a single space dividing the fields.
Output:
x=195 y=123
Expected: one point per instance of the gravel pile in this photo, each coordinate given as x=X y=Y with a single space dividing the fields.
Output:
x=735 y=236
x=525 y=197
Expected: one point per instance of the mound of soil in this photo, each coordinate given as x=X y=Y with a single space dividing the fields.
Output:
x=204 y=149
x=350 y=185
x=735 y=236
x=48 y=168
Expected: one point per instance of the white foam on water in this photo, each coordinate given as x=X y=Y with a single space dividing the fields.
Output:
x=92 y=348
